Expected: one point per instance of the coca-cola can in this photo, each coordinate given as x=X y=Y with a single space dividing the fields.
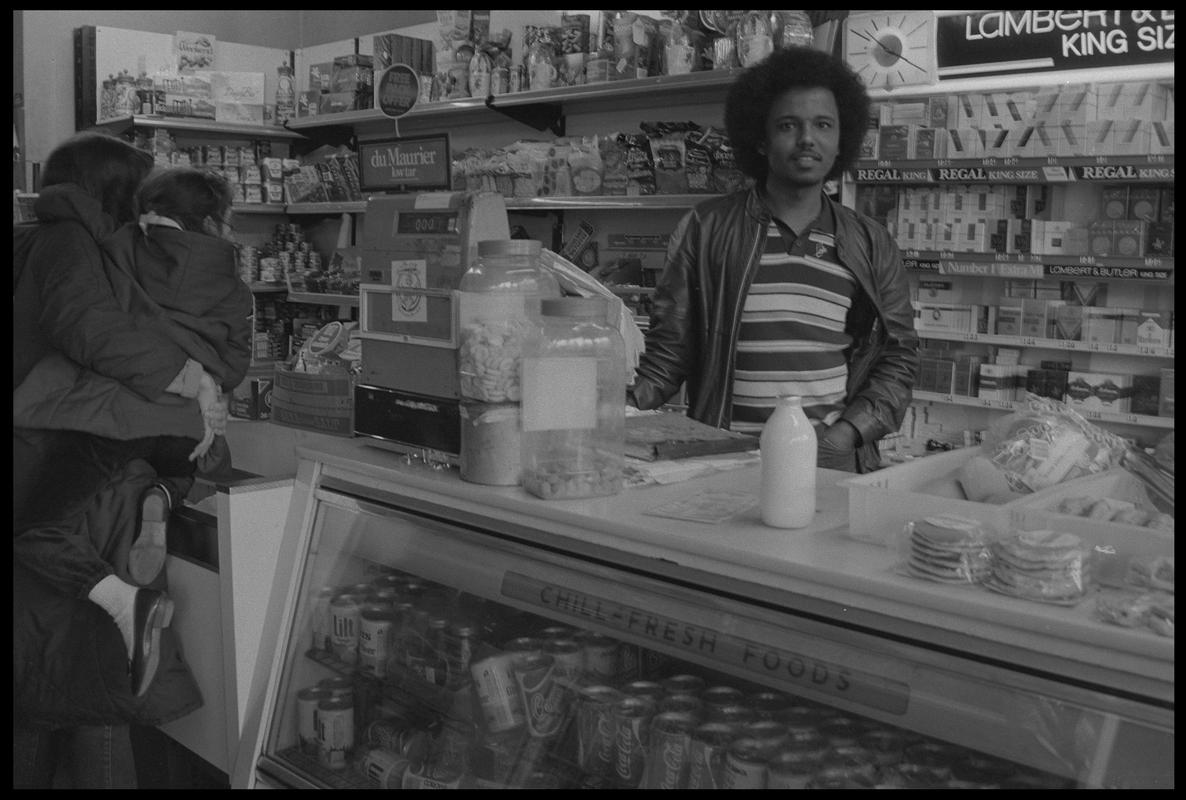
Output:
x=735 y=714
x=632 y=718
x=768 y=705
x=718 y=696
x=498 y=693
x=772 y=735
x=545 y=700
x=644 y=689
x=746 y=764
x=793 y=767
x=706 y=757
x=596 y=734
x=684 y=703
x=668 y=751
x=568 y=657
x=683 y=684
x=629 y=661
x=601 y=656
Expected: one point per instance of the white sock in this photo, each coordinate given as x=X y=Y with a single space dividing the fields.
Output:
x=118 y=599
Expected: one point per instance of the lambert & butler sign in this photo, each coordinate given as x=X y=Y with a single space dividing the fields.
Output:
x=1033 y=40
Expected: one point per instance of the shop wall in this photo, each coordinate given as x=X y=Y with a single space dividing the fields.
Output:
x=47 y=57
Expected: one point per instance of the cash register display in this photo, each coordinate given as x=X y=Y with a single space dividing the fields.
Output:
x=420 y=223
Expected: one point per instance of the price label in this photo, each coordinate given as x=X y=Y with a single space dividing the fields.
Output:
x=1070 y=344
x=1029 y=341
x=1091 y=413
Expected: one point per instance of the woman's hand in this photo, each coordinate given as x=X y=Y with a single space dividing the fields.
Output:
x=213 y=405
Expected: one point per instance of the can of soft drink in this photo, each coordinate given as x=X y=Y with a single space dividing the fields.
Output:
x=601 y=656
x=307 y=700
x=684 y=703
x=596 y=734
x=343 y=613
x=683 y=684
x=668 y=751
x=644 y=689
x=545 y=700
x=719 y=696
x=498 y=693
x=385 y=768
x=335 y=731
x=375 y=623
x=568 y=657
x=768 y=705
x=746 y=764
x=792 y=768
x=735 y=714
x=632 y=718
x=706 y=759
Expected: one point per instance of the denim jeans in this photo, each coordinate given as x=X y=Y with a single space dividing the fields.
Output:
x=84 y=757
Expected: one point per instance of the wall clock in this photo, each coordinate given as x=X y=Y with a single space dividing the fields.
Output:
x=891 y=48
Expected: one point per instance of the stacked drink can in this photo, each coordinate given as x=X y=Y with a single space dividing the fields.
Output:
x=438 y=691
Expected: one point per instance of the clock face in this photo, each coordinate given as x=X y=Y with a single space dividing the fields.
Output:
x=891 y=48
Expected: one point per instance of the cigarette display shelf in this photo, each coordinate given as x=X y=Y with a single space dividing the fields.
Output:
x=1029 y=266
x=1041 y=169
x=1069 y=345
x=665 y=89
x=1143 y=420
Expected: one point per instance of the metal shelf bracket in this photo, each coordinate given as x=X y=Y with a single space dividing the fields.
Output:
x=541 y=116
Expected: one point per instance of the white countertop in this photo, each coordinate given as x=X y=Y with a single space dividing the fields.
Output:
x=827 y=572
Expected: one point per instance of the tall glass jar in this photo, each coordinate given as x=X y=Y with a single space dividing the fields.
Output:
x=498 y=304
x=574 y=390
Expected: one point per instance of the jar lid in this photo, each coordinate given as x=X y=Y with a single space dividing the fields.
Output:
x=582 y=307
x=509 y=247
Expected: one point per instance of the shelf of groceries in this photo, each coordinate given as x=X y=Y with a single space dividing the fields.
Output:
x=669 y=87
x=652 y=202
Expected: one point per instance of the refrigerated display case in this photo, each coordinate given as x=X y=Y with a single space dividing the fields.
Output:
x=479 y=637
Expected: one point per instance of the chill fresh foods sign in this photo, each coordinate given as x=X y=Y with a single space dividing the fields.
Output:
x=1036 y=40
x=407 y=164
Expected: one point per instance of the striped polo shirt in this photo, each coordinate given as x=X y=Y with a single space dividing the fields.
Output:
x=793 y=336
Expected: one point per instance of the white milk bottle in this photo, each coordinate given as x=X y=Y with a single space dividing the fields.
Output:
x=787 y=444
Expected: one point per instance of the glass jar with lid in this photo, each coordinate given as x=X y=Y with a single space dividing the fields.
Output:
x=574 y=401
x=499 y=298
x=498 y=304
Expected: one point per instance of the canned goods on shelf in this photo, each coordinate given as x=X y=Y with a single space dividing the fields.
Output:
x=707 y=750
x=307 y=702
x=596 y=732
x=632 y=718
x=683 y=684
x=746 y=764
x=668 y=751
x=335 y=732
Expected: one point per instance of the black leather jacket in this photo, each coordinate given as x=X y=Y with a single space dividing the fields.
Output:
x=696 y=317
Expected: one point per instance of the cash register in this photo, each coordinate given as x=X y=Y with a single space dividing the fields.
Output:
x=416 y=247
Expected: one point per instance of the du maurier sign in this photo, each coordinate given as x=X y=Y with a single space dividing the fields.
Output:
x=1037 y=40
x=419 y=163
